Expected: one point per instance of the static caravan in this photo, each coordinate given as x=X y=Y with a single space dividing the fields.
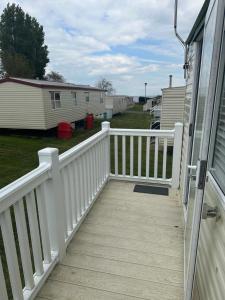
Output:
x=39 y=104
x=172 y=106
x=117 y=104
x=154 y=101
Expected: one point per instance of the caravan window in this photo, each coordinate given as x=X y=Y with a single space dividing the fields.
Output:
x=87 y=99
x=55 y=99
x=101 y=97
x=218 y=167
x=74 y=96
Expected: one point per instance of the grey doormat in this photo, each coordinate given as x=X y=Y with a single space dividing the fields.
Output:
x=147 y=189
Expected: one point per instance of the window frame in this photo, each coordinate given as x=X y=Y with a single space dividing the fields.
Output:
x=87 y=96
x=74 y=98
x=101 y=97
x=56 y=103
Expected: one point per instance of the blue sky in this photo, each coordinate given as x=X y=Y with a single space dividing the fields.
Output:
x=126 y=41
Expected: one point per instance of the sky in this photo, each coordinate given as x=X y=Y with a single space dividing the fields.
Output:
x=128 y=42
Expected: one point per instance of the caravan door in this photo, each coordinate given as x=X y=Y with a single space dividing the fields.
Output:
x=203 y=120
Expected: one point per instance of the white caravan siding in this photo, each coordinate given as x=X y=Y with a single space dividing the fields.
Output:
x=21 y=106
x=69 y=111
x=28 y=107
x=172 y=108
x=117 y=104
x=210 y=260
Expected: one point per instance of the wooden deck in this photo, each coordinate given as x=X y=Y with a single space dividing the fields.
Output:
x=130 y=246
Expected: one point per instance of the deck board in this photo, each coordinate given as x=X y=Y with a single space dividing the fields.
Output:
x=130 y=246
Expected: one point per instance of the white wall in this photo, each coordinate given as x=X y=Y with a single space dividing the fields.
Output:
x=69 y=111
x=117 y=104
x=21 y=106
x=172 y=107
x=27 y=107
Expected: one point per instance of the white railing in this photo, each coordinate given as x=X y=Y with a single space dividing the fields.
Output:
x=148 y=159
x=41 y=211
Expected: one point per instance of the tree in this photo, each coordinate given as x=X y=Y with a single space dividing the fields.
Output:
x=17 y=65
x=55 y=76
x=22 y=41
x=106 y=85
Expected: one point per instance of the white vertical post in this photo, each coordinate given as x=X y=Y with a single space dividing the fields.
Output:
x=24 y=244
x=177 y=155
x=164 y=158
x=116 y=154
x=147 y=155
x=156 y=157
x=124 y=155
x=106 y=127
x=55 y=201
x=139 y=155
x=131 y=156
x=11 y=255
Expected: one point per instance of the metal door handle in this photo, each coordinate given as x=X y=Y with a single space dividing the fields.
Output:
x=190 y=167
x=210 y=212
x=190 y=175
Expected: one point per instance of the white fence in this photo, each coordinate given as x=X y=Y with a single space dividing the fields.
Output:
x=41 y=211
x=147 y=155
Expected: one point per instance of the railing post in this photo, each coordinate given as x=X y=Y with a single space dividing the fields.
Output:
x=54 y=201
x=106 y=127
x=177 y=155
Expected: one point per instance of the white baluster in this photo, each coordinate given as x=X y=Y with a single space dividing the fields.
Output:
x=81 y=185
x=164 y=158
x=139 y=155
x=85 y=179
x=72 y=193
x=88 y=174
x=77 y=189
x=95 y=169
x=11 y=255
x=68 y=207
x=41 y=204
x=116 y=154
x=91 y=161
x=131 y=156
x=147 y=156
x=34 y=232
x=21 y=228
x=156 y=157
x=124 y=155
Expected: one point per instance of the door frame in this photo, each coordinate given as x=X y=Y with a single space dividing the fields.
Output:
x=197 y=63
x=204 y=148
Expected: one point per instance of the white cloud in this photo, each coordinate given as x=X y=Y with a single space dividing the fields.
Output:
x=81 y=36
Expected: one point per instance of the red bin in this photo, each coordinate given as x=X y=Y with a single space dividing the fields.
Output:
x=89 y=121
x=65 y=130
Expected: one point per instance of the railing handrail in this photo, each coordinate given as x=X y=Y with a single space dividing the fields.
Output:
x=82 y=147
x=142 y=132
x=23 y=185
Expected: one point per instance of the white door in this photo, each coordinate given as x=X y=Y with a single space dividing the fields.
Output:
x=205 y=102
x=210 y=263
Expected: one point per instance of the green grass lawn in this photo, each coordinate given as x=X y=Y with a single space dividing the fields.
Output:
x=18 y=154
x=136 y=107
